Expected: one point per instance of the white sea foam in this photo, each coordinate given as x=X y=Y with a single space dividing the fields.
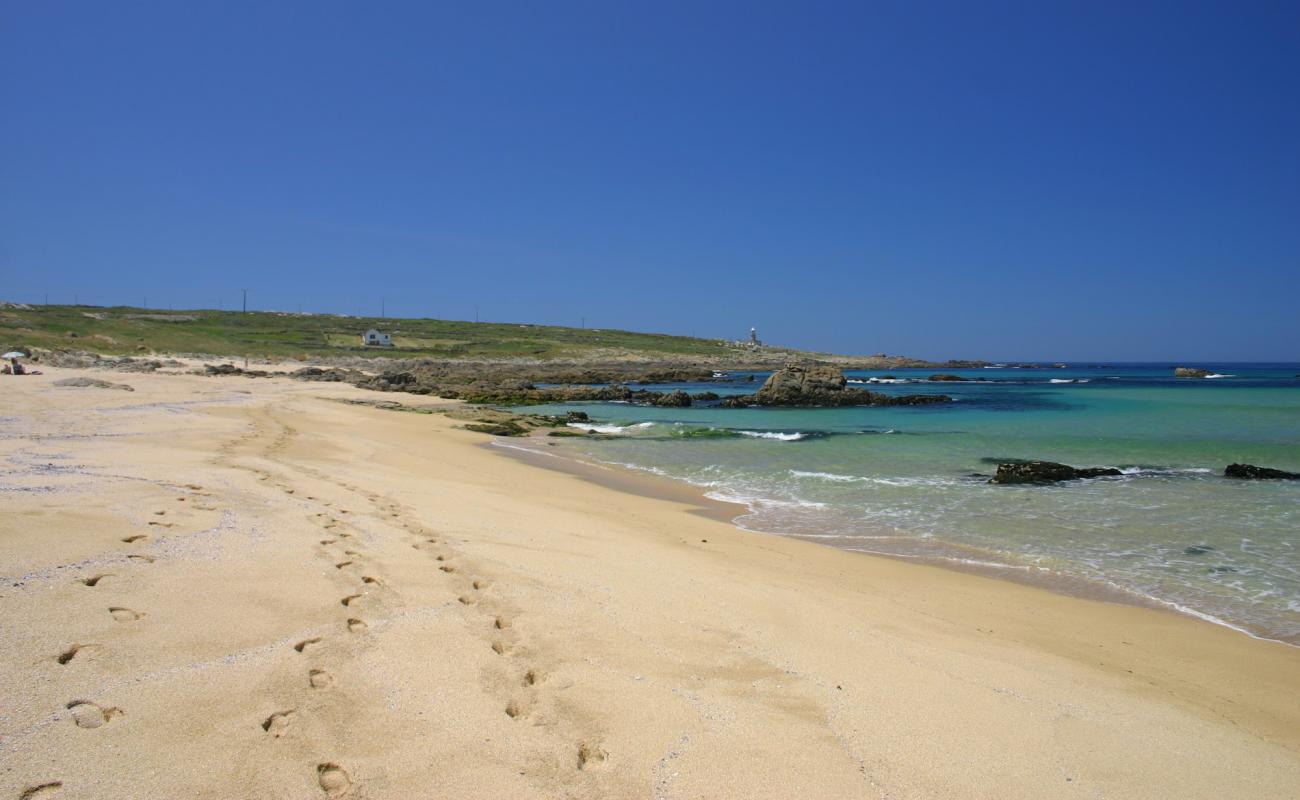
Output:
x=614 y=429
x=1068 y=380
x=778 y=435
x=1165 y=470
x=826 y=476
x=1217 y=375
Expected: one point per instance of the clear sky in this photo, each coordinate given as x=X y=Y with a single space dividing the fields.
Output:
x=1092 y=180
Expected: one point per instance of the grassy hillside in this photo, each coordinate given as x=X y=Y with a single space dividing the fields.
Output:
x=130 y=331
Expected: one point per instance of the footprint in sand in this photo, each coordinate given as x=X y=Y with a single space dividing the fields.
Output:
x=501 y=623
x=591 y=756
x=350 y=599
x=500 y=647
x=41 y=791
x=516 y=709
x=328 y=542
x=357 y=625
x=91 y=715
x=442 y=558
x=480 y=584
x=531 y=678
x=305 y=643
x=145 y=559
x=466 y=599
x=367 y=579
x=162 y=524
x=447 y=568
x=333 y=780
x=94 y=579
x=121 y=614
x=342 y=564
x=135 y=538
x=320 y=679
x=67 y=655
x=278 y=723
x=159 y=513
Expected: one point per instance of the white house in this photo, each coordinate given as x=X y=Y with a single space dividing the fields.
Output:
x=373 y=338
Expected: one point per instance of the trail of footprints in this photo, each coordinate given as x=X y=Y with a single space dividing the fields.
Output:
x=332 y=778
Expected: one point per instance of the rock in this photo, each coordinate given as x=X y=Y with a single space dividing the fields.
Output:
x=1047 y=472
x=674 y=399
x=947 y=377
x=507 y=428
x=1197 y=550
x=577 y=416
x=707 y=397
x=1250 y=472
x=821 y=387
x=331 y=375
x=93 y=383
x=1191 y=372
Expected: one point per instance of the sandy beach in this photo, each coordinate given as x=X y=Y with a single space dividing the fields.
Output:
x=235 y=588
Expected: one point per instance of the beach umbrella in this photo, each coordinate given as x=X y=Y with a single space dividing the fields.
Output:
x=14 y=354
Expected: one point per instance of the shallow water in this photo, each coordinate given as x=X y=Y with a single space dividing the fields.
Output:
x=913 y=480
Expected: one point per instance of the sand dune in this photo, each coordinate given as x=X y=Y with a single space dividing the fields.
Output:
x=219 y=587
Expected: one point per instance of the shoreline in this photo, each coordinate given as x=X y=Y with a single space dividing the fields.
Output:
x=251 y=580
x=646 y=484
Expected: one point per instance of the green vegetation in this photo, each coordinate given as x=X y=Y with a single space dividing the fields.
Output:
x=131 y=331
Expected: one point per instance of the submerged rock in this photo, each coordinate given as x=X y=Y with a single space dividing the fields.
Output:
x=943 y=376
x=1191 y=372
x=1047 y=472
x=1197 y=550
x=1250 y=472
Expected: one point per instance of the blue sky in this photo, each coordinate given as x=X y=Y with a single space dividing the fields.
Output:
x=998 y=180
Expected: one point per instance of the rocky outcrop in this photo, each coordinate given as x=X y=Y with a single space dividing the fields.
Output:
x=231 y=369
x=821 y=387
x=1191 y=372
x=1047 y=472
x=947 y=377
x=330 y=375
x=673 y=399
x=1250 y=472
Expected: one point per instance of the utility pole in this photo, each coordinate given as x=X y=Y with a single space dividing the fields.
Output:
x=476 y=313
x=383 y=308
x=584 y=323
x=245 y=291
x=47 y=298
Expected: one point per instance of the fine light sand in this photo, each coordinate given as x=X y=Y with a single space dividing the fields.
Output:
x=233 y=588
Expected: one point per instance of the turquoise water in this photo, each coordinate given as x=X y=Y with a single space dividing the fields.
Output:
x=913 y=481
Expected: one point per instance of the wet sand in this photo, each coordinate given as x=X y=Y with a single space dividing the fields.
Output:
x=223 y=587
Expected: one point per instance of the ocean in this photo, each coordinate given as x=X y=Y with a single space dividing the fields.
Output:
x=912 y=482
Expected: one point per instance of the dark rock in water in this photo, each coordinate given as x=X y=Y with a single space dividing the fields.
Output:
x=577 y=416
x=1191 y=372
x=1250 y=472
x=707 y=397
x=946 y=377
x=1047 y=472
x=821 y=387
x=1197 y=550
x=674 y=399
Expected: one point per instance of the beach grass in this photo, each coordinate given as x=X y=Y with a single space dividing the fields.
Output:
x=125 y=330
